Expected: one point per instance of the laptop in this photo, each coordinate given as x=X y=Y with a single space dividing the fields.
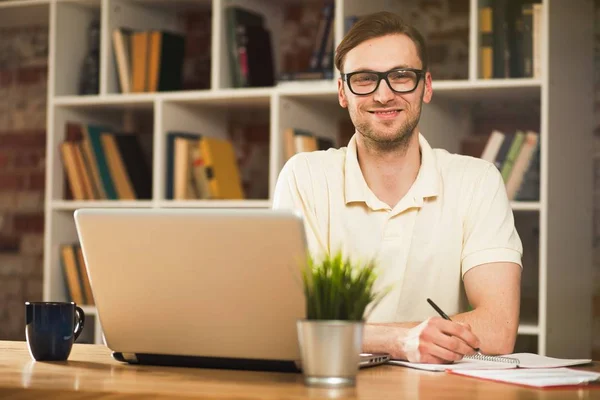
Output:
x=214 y=288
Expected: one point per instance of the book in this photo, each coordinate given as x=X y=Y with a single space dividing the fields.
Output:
x=509 y=361
x=165 y=61
x=492 y=147
x=121 y=38
x=222 y=168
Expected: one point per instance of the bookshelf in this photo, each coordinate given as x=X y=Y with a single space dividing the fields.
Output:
x=556 y=307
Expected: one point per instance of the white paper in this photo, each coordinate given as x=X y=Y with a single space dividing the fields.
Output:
x=538 y=377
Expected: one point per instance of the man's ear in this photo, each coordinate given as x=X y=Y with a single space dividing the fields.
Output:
x=428 y=92
x=341 y=94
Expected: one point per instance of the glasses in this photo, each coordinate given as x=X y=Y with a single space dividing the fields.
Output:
x=403 y=80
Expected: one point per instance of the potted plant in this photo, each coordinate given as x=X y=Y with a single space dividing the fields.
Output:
x=337 y=292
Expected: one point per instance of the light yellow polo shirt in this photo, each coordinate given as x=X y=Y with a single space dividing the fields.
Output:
x=455 y=217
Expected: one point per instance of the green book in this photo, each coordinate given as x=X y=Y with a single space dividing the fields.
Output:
x=513 y=152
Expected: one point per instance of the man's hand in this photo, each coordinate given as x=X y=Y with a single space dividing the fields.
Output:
x=438 y=341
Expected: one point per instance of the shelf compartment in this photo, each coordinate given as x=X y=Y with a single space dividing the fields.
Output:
x=272 y=13
x=72 y=44
x=190 y=20
x=318 y=115
x=62 y=231
x=244 y=121
x=70 y=123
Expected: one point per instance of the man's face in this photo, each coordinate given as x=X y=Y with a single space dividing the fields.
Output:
x=384 y=117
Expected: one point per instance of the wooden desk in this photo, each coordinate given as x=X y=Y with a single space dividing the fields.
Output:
x=91 y=373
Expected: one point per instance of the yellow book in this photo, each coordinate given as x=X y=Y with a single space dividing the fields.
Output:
x=222 y=168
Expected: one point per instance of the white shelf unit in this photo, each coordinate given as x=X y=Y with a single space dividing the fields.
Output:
x=559 y=322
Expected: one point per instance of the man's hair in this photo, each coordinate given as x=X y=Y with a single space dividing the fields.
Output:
x=376 y=25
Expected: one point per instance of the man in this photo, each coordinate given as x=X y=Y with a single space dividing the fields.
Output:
x=439 y=224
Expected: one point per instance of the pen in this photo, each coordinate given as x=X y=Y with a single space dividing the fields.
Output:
x=442 y=314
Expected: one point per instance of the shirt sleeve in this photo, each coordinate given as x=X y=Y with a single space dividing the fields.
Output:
x=293 y=191
x=490 y=234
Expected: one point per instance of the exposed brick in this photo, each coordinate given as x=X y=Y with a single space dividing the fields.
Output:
x=26 y=159
x=34 y=289
x=30 y=75
x=23 y=140
x=10 y=181
x=13 y=325
x=32 y=266
x=31 y=245
x=9 y=244
x=5 y=160
x=6 y=77
x=10 y=288
x=37 y=181
x=11 y=265
x=8 y=200
x=29 y=223
x=30 y=201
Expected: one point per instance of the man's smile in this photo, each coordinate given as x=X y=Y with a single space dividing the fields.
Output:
x=389 y=113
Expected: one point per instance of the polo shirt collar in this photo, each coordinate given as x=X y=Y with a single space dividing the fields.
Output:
x=356 y=188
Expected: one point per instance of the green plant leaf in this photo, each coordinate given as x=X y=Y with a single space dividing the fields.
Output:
x=337 y=288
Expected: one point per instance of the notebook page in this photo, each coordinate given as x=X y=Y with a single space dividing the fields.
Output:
x=541 y=377
x=530 y=360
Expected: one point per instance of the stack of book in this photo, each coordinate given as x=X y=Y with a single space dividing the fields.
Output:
x=250 y=48
x=510 y=35
x=201 y=167
x=75 y=277
x=517 y=156
x=101 y=163
x=301 y=140
x=148 y=61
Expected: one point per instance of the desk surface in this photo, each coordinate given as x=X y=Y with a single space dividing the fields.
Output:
x=91 y=372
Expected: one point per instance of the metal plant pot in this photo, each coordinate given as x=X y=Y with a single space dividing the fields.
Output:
x=330 y=351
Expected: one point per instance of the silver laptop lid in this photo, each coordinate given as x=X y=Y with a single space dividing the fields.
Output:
x=196 y=282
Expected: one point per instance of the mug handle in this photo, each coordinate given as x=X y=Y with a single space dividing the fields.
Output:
x=80 y=321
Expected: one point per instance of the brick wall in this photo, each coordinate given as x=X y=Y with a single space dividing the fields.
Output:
x=23 y=72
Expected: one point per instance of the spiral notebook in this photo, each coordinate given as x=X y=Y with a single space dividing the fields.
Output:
x=510 y=361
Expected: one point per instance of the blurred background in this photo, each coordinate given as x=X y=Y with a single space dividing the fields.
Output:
x=108 y=103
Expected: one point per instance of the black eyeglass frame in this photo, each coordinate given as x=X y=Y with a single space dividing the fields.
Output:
x=383 y=76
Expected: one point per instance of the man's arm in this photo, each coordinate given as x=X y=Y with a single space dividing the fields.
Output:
x=494 y=293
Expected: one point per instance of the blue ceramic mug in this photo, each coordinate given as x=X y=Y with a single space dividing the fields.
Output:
x=52 y=328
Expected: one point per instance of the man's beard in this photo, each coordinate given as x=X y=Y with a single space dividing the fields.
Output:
x=399 y=141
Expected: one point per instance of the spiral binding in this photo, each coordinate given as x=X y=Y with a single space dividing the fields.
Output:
x=483 y=357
